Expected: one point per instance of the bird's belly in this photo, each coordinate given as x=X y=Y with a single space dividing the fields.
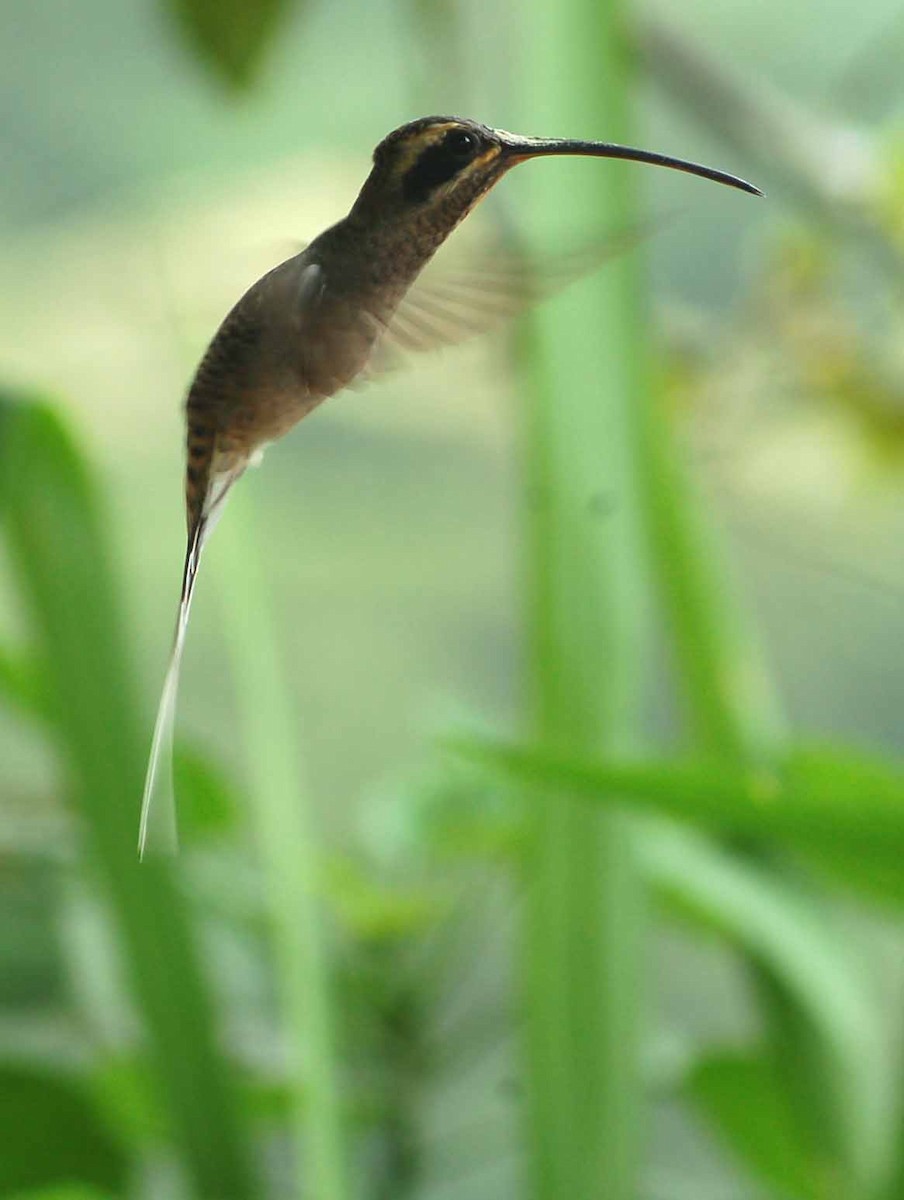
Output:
x=265 y=414
x=333 y=352
x=273 y=382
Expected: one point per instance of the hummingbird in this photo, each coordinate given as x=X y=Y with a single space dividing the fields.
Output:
x=330 y=315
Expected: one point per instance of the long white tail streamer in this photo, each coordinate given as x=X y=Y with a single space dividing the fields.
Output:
x=157 y=833
x=157 y=829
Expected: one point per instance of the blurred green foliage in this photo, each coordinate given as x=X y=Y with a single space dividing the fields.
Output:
x=231 y=36
x=442 y=994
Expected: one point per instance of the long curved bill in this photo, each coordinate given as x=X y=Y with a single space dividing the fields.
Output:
x=516 y=149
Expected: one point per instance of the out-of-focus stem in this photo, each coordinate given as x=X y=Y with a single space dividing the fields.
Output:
x=586 y=379
x=287 y=847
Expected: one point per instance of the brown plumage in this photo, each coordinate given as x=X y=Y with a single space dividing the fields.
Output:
x=316 y=322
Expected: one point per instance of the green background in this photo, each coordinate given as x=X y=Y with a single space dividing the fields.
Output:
x=542 y=828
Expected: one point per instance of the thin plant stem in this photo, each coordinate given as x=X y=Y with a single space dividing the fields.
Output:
x=56 y=530
x=282 y=820
x=583 y=915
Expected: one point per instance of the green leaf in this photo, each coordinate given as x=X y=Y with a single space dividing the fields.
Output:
x=58 y=548
x=283 y=825
x=742 y=1098
x=231 y=37
x=125 y=1092
x=207 y=803
x=65 y=1192
x=23 y=683
x=831 y=802
x=30 y=971
x=50 y=1134
x=878 y=879
x=842 y=1094
x=375 y=911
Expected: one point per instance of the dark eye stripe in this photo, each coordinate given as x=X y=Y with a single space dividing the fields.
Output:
x=438 y=164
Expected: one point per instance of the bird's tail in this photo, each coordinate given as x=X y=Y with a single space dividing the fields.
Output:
x=157 y=831
x=157 y=828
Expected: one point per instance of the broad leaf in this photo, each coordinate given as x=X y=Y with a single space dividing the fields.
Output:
x=742 y=1098
x=837 y=805
x=231 y=37
x=836 y=1069
x=56 y=534
x=64 y=1192
x=50 y=1133
x=22 y=683
x=207 y=804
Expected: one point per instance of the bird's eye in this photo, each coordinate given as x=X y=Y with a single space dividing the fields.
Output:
x=460 y=143
x=438 y=163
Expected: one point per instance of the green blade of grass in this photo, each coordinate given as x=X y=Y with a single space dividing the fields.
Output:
x=58 y=546
x=805 y=801
x=288 y=853
x=815 y=803
x=741 y=1096
x=736 y=716
x=585 y=354
x=22 y=684
x=732 y=708
x=797 y=944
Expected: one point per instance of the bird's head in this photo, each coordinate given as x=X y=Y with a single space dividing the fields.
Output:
x=446 y=164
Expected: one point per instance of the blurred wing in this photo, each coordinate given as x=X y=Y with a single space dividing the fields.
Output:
x=446 y=306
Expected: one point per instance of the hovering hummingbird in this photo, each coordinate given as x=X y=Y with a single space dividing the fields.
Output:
x=318 y=321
